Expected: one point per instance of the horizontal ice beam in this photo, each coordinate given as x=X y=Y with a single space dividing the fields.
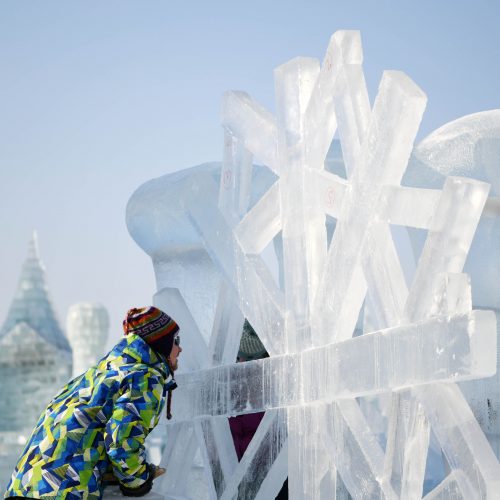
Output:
x=451 y=348
x=413 y=207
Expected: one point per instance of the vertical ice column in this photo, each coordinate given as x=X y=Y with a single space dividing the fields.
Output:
x=446 y=248
x=178 y=459
x=234 y=197
x=294 y=82
x=355 y=451
x=262 y=470
x=448 y=241
x=407 y=445
x=320 y=120
x=87 y=328
x=306 y=123
x=310 y=461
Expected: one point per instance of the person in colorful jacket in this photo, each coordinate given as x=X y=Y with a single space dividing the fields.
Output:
x=99 y=421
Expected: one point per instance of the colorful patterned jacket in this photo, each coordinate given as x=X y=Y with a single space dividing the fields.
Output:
x=100 y=419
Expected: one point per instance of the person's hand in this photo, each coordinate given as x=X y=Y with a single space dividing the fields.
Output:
x=153 y=472
x=158 y=471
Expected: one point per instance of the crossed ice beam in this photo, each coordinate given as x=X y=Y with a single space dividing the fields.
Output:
x=425 y=335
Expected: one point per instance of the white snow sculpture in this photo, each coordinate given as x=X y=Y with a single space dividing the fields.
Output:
x=427 y=336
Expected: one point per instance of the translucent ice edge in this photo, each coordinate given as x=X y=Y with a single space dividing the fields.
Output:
x=446 y=349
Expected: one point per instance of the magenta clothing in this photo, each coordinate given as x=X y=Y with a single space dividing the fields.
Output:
x=243 y=428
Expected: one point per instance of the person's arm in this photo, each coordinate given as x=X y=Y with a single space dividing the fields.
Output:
x=136 y=412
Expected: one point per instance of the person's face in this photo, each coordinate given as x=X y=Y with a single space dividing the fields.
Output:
x=174 y=354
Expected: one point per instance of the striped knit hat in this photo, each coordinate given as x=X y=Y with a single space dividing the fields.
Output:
x=153 y=326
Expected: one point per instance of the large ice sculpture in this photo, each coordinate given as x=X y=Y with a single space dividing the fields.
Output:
x=87 y=326
x=422 y=336
x=35 y=360
x=35 y=356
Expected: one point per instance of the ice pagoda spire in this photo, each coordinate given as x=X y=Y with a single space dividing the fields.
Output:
x=33 y=247
x=31 y=303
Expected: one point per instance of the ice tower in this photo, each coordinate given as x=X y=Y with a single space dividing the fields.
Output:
x=35 y=356
x=346 y=323
x=87 y=326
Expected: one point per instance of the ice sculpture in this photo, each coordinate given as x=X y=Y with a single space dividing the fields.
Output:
x=87 y=326
x=35 y=360
x=35 y=354
x=422 y=337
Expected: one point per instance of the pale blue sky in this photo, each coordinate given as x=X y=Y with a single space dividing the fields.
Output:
x=98 y=97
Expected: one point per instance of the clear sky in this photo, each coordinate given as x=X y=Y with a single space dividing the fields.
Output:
x=96 y=97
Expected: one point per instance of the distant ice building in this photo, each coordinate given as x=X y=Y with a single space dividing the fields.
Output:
x=87 y=326
x=35 y=356
x=35 y=360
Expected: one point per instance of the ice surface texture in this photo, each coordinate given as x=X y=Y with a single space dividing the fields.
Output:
x=419 y=338
x=87 y=329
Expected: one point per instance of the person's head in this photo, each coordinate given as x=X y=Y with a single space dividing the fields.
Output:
x=157 y=329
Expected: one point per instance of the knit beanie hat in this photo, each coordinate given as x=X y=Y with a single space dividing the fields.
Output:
x=250 y=345
x=154 y=326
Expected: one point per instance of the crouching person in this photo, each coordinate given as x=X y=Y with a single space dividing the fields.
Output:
x=99 y=421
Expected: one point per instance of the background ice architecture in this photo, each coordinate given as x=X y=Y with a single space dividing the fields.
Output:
x=364 y=389
x=87 y=328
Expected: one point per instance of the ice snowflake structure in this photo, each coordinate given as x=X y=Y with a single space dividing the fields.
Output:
x=414 y=344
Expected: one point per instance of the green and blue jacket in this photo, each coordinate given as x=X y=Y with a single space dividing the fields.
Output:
x=99 y=420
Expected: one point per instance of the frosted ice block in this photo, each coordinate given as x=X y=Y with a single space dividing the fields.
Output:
x=444 y=348
x=302 y=218
x=455 y=486
x=227 y=328
x=260 y=301
x=308 y=459
x=214 y=437
x=177 y=459
x=355 y=451
x=234 y=198
x=262 y=223
x=462 y=441
x=330 y=188
x=448 y=240
x=236 y=178
x=407 y=445
x=320 y=121
x=265 y=453
x=195 y=356
x=409 y=206
x=352 y=108
x=384 y=276
x=383 y=157
x=253 y=125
